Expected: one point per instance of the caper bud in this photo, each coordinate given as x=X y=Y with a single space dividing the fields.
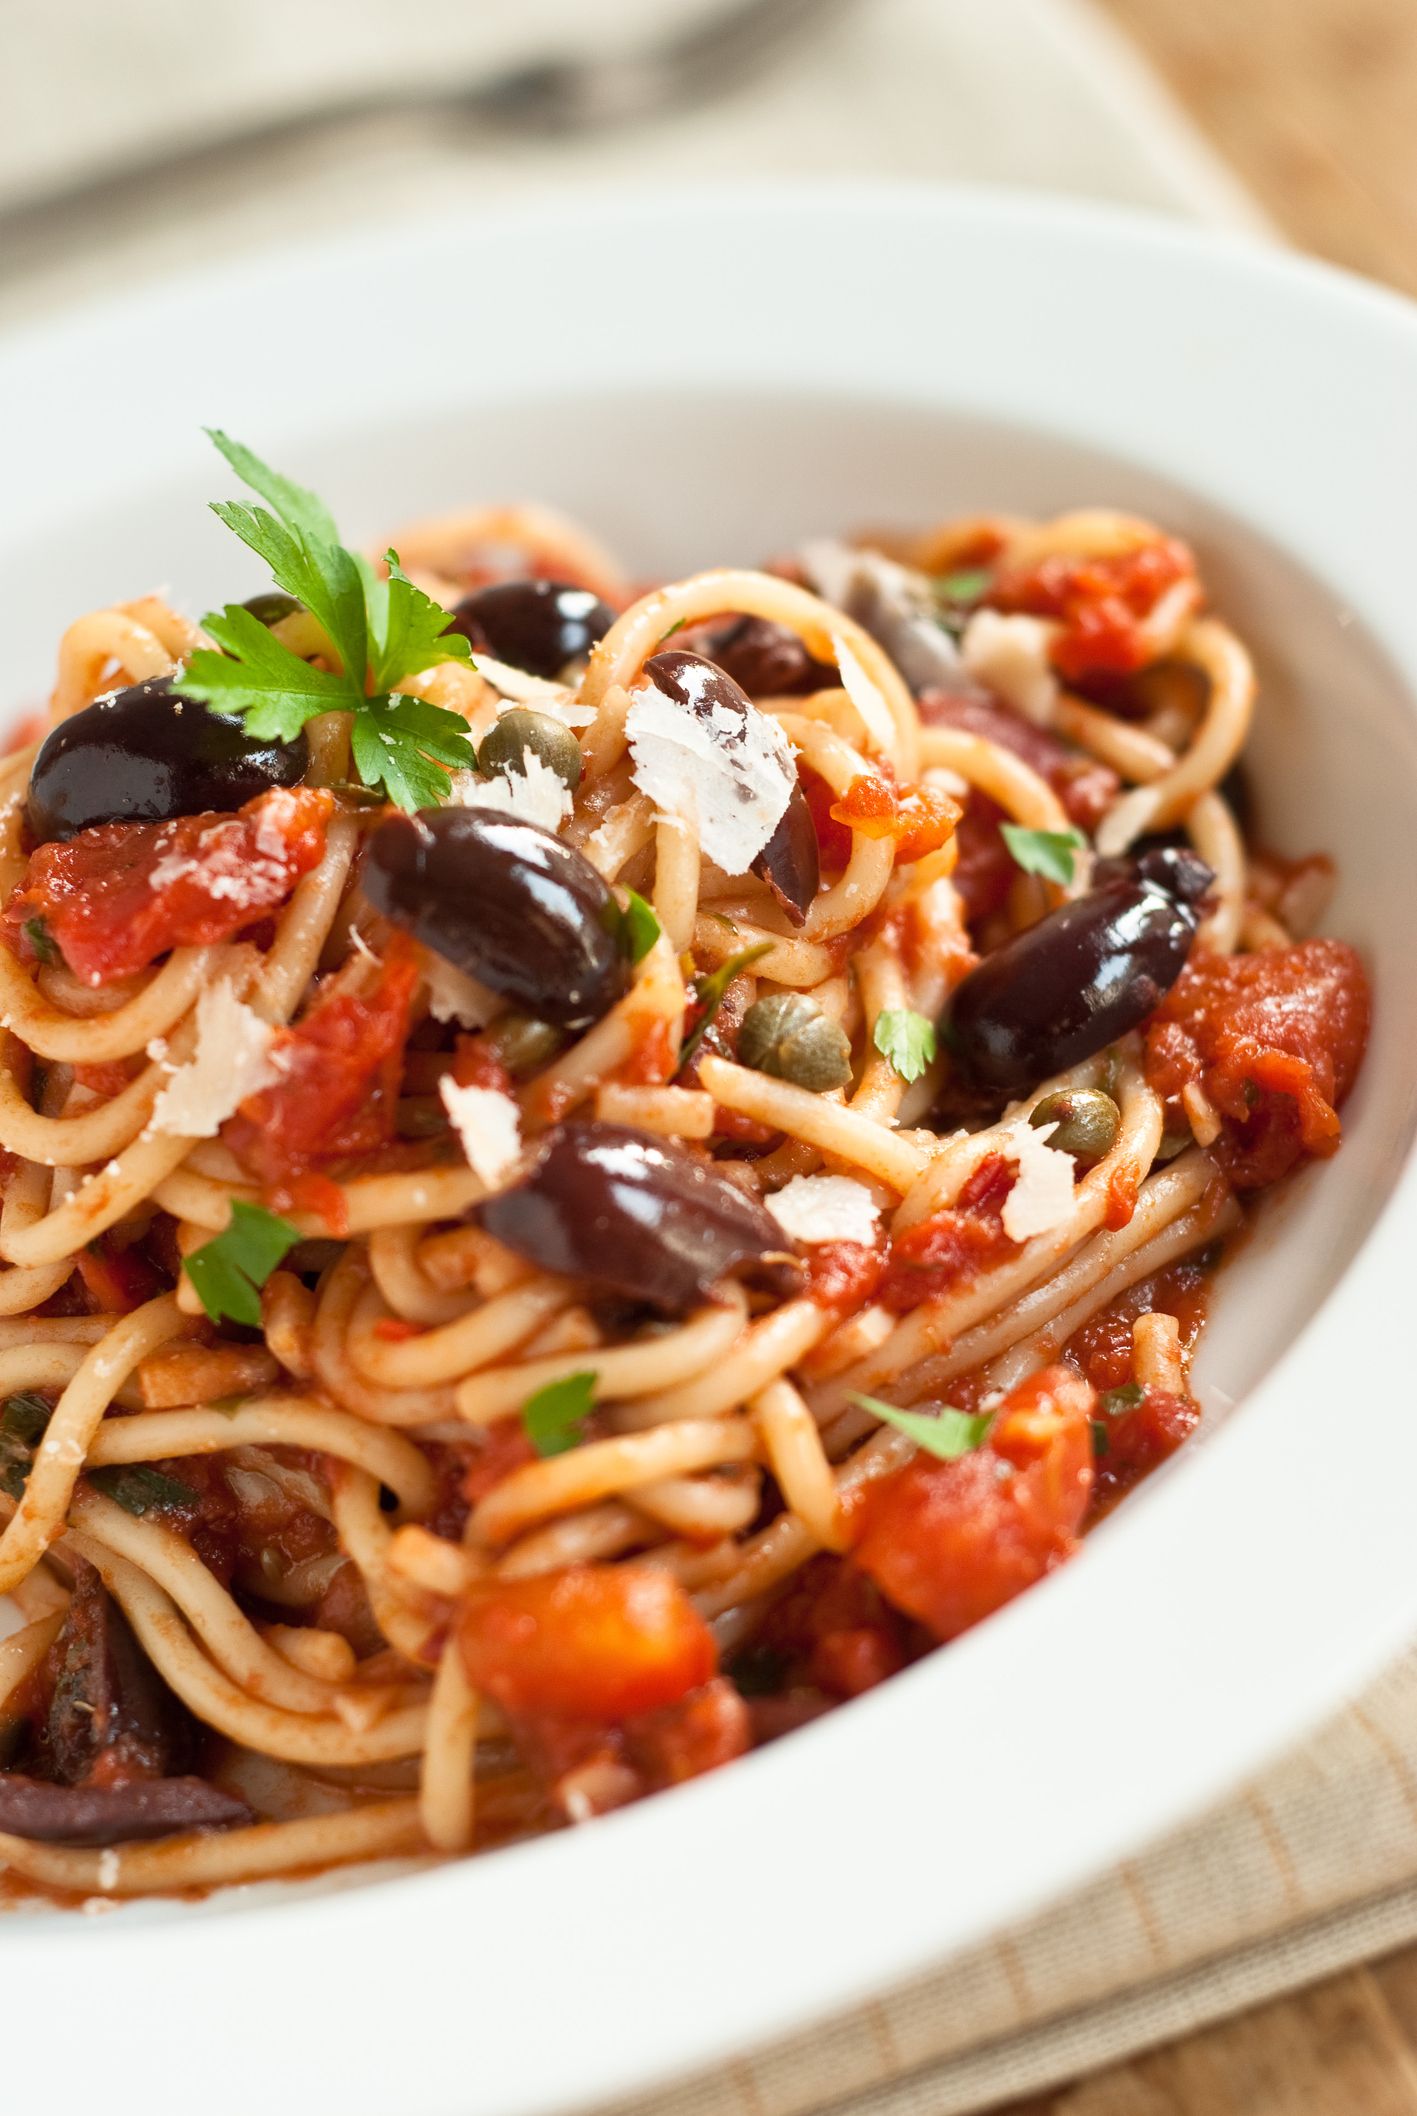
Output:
x=519 y=733
x=1088 y=1122
x=790 y=1037
x=523 y=1043
x=270 y=608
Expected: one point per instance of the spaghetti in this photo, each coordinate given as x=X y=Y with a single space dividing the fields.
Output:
x=508 y=1300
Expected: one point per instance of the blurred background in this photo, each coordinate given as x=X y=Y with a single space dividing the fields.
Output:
x=294 y=117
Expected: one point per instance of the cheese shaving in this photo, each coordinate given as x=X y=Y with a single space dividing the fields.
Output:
x=1042 y=1198
x=454 y=996
x=519 y=684
x=232 y=1060
x=728 y=775
x=489 y=1125
x=825 y=1209
x=1010 y=654
x=533 y=794
x=865 y=695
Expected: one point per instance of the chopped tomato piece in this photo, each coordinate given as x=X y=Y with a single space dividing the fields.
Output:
x=504 y=1447
x=1100 y=602
x=1274 y=1040
x=953 y=1246
x=116 y=1280
x=1133 y=1441
x=841 y=1275
x=920 y=818
x=339 y=1068
x=590 y=1642
x=114 y=898
x=476 y=1063
x=951 y=1542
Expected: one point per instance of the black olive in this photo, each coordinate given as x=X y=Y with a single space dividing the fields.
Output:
x=271 y=607
x=767 y=659
x=133 y=1809
x=508 y=904
x=1081 y=977
x=790 y=862
x=536 y=625
x=641 y=1217
x=146 y=755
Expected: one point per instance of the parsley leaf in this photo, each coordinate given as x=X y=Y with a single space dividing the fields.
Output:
x=407 y=746
x=408 y=631
x=229 y=1271
x=639 y=928
x=1051 y=853
x=906 y=1040
x=274 y=690
x=382 y=631
x=1124 y=1399
x=552 y=1419
x=1101 y=1438
x=138 y=1489
x=950 y=1434
x=709 y=993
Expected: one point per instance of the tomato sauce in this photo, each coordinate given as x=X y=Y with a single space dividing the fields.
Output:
x=954 y=1246
x=1101 y=604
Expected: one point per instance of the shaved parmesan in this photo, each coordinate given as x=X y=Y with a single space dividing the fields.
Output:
x=232 y=1060
x=825 y=1209
x=488 y=1123
x=1042 y=1198
x=1010 y=654
x=866 y=696
x=519 y=684
x=728 y=775
x=533 y=794
x=454 y=996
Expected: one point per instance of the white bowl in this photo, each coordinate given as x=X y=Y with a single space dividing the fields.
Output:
x=703 y=378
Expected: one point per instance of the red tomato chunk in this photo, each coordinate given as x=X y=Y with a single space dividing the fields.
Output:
x=591 y=1642
x=955 y=1245
x=1275 y=1041
x=1100 y=602
x=115 y=898
x=951 y=1542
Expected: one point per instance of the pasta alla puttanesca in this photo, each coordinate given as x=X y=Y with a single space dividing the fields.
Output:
x=588 y=1174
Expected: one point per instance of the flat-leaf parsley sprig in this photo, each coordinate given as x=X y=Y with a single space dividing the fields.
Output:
x=382 y=631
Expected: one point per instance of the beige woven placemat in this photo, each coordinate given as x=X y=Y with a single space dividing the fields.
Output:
x=1316 y=1865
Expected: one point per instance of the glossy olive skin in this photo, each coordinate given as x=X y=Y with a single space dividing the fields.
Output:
x=790 y=862
x=536 y=625
x=146 y=755
x=1081 y=977
x=640 y=1217
x=505 y=902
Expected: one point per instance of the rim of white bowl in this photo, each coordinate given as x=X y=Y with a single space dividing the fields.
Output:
x=954 y=1800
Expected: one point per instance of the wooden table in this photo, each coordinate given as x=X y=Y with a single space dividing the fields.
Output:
x=1314 y=104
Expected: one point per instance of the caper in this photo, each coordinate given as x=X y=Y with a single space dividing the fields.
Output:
x=523 y=1043
x=519 y=733
x=271 y=607
x=1088 y=1122
x=790 y=1037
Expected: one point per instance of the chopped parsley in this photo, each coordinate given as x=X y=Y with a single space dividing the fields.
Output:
x=140 y=1490
x=946 y=1434
x=46 y=947
x=1101 y=1439
x=554 y=1418
x=1124 y=1399
x=639 y=928
x=381 y=631
x=1051 y=853
x=968 y=584
x=229 y=1271
x=23 y=1419
x=906 y=1040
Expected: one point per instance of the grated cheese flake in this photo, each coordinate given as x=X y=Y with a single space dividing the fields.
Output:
x=232 y=1060
x=533 y=794
x=728 y=775
x=1042 y=1198
x=1010 y=654
x=489 y=1125
x=525 y=689
x=825 y=1209
x=454 y=996
x=865 y=696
